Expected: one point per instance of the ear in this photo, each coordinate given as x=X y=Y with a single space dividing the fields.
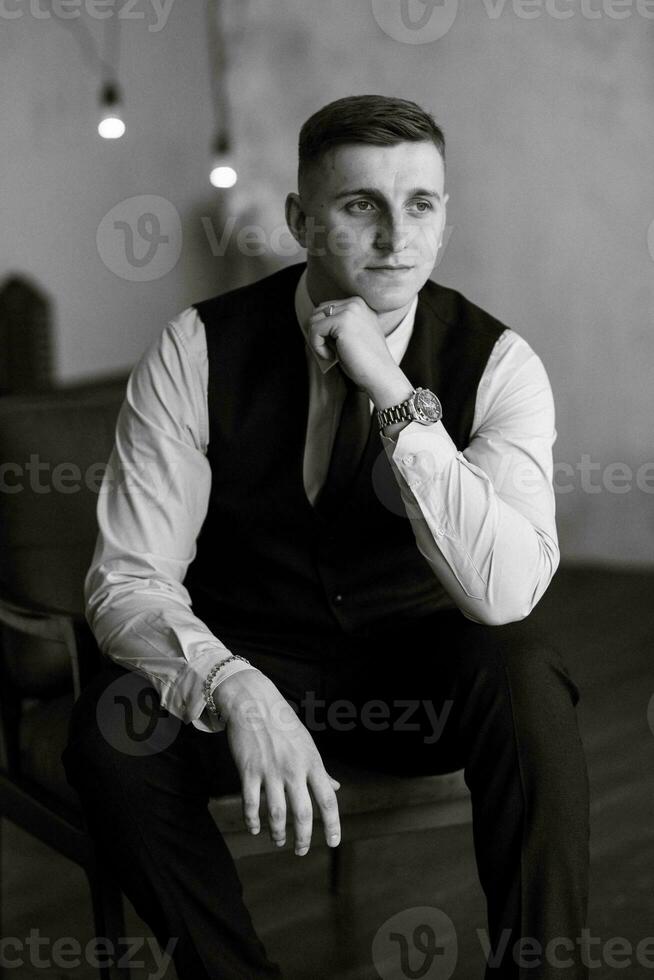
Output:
x=296 y=219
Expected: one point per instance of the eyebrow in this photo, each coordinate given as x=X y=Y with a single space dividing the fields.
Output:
x=372 y=192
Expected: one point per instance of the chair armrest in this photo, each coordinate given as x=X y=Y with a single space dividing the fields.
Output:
x=47 y=626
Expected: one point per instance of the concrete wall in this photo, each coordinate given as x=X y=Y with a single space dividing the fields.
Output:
x=550 y=136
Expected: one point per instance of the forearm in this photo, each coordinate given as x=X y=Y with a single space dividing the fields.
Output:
x=494 y=561
x=145 y=623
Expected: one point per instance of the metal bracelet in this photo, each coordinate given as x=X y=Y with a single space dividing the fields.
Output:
x=206 y=687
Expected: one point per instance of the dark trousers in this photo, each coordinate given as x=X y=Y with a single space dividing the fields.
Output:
x=506 y=709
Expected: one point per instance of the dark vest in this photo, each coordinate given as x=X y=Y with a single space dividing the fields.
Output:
x=267 y=565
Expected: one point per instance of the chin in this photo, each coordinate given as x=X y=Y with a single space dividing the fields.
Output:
x=387 y=300
x=386 y=296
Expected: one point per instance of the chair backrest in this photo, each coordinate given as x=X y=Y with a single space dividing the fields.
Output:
x=26 y=364
x=53 y=449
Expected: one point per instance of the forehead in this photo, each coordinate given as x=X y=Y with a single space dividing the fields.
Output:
x=391 y=170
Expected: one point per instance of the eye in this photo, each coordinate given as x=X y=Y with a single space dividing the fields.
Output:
x=423 y=206
x=360 y=207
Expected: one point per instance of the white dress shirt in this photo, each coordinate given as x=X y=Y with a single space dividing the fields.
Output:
x=482 y=518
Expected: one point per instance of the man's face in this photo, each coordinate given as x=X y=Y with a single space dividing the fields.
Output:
x=373 y=217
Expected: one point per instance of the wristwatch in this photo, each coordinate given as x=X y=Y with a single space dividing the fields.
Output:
x=422 y=406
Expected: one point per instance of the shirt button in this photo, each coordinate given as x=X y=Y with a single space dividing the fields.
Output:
x=338 y=598
x=409 y=460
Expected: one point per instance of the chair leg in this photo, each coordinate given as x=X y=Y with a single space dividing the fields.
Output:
x=108 y=918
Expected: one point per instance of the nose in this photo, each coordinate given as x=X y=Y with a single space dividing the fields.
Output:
x=392 y=232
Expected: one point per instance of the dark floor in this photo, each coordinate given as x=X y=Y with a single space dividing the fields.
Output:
x=604 y=623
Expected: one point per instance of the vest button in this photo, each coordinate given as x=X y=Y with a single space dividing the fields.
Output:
x=338 y=598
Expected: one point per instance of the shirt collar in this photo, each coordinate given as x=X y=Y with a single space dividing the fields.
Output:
x=397 y=340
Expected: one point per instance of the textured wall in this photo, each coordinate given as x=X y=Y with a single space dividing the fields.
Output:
x=551 y=137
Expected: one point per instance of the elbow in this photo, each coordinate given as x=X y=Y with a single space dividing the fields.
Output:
x=498 y=615
x=515 y=604
x=512 y=598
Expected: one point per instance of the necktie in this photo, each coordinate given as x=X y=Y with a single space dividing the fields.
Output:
x=349 y=444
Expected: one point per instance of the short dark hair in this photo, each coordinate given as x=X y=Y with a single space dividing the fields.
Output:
x=376 y=119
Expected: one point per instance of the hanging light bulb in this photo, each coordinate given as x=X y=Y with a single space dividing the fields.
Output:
x=111 y=125
x=223 y=174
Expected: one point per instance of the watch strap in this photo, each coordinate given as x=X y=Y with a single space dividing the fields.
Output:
x=396 y=413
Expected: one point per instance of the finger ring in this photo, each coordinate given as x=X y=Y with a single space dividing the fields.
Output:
x=330 y=310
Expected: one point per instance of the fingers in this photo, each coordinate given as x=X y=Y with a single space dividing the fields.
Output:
x=276 y=803
x=330 y=308
x=320 y=336
x=323 y=788
x=302 y=817
x=321 y=324
x=325 y=797
x=338 y=305
x=251 y=794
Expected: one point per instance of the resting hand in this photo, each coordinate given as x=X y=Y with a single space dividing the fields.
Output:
x=273 y=750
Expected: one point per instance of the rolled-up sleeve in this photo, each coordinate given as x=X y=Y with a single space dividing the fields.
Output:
x=484 y=518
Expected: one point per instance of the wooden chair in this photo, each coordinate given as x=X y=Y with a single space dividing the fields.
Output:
x=47 y=654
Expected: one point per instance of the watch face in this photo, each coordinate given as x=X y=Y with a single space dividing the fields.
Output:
x=428 y=405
